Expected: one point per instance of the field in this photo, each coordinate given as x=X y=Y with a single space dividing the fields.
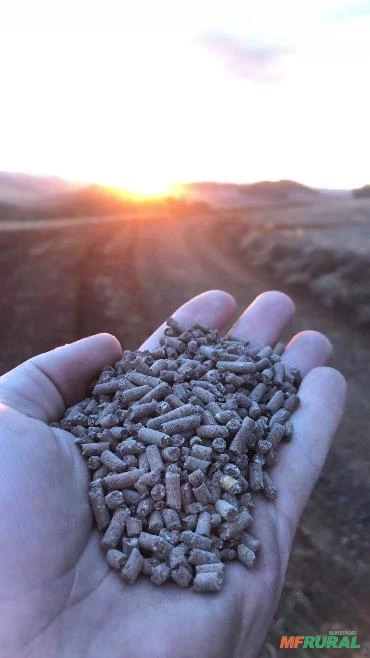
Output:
x=62 y=280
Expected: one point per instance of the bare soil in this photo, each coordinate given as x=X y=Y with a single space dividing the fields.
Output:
x=64 y=281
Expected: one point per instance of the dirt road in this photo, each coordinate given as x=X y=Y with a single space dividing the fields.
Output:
x=60 y=283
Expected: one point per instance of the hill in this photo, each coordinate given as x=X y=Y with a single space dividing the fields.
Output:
x=255 y=194
x=361 y=192
x=18 y=188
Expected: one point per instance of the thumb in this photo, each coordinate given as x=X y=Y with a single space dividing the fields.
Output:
x=45 y=385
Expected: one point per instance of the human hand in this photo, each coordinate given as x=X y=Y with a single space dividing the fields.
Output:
x=58 y=598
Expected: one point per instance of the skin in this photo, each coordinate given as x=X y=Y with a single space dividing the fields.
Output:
x=58 y=597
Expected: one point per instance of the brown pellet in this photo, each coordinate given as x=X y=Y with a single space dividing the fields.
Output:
x=196 y=478
x=134 y=526
x=231 y=529
x=156 y=523
x=160 y=573
x=122 y=480
x=155 y=544
x=276 y=401
x=145 y=507
x=203 y=526
x=92 y=449
x=111 y=461
x=255 y=476
x=149 y=564
x=128 y=544
x=130 y=447
x=239 y=442
x=173 y=490
x=133 y=566
x=177 y=557
x=98 y=505
x=202 y=452
x=189 y=521
x=171 y=519
x=269 y=489
x=114 y=532
x=157 y=393
x=181 y=425
x=227 y=511
x=195 y=540
x=250 y=541
x=181 y=576
x=93 y=463
x=114 y=499
x=193 y=463
x=171 y=454
x=187 y=497
x=116 y=559
x=150 y=437
x=229 y=484
x=212 y=432
x=246 y=556
x=158 y=492
x=202 y=494
x=154 y=458
x=208 y=581
x=198 y=556
x=133 y=394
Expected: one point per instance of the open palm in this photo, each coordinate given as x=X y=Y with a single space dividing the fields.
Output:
x=58 y=597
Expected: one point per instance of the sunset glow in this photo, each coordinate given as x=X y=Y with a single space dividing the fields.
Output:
x=141 y=96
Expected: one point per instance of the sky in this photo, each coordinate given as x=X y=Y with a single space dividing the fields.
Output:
x=145 y=93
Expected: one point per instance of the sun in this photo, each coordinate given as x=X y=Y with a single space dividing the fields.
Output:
x=148 y=187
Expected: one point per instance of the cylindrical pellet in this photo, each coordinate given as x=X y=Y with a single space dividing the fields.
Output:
x=276 y=402
x=155 y=544
x=114 y=532
x=116 y=559
x=227 y=511
x=231 y=529
x=173 y=490
x=114 y=499
x=212 y=432
x=208 y=581
x=193 y=463
x=229 y=484
x=134 y=526
x=133 y=394
x=246 y=556
x=255 y=476
x=156 y=523
x=111 y=461
x=181 y=425
x=181 y=576
x=92 y=449
x=171 y=519
x=269 y=489
x=204 y=524
x=133 y=566
x=240 y=441
x=123 y=480
x=198 y=556
x=98 y=505
x=202 y=494
x=160 y=573
x=154 y=458
x=179 y=412
x=150 y=437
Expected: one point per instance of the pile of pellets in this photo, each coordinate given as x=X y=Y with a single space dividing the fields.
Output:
x=178 y=440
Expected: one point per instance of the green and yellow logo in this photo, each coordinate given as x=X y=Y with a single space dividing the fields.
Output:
x=333 y=640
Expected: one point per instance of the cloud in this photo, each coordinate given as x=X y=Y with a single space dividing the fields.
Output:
x=258 y=63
